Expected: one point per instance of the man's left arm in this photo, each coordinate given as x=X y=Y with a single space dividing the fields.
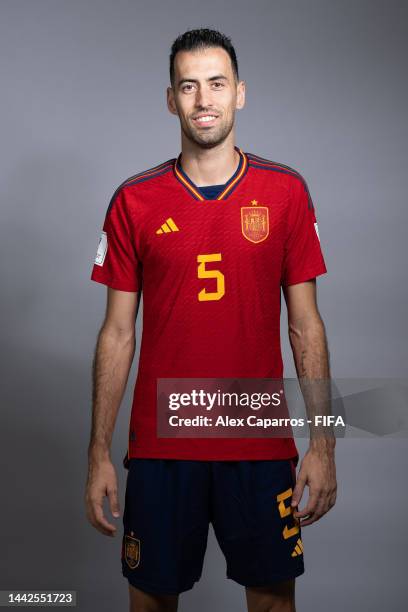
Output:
x=310 y=351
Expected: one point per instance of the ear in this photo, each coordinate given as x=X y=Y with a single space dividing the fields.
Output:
x=240 y=94
x=170 y=101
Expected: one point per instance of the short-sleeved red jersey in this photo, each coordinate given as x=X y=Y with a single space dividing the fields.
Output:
x=211 y=273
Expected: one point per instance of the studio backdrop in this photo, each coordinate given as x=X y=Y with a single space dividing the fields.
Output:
x=83 y=108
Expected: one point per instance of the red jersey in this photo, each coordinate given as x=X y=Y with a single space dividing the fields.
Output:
x=211 y=273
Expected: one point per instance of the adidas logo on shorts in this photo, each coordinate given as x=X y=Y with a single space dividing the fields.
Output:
x=298 y=548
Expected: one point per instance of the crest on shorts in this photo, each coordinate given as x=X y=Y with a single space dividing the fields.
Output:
x=255 y=222
x=132 y=551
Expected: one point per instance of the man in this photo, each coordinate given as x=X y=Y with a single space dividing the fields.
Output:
x=210 y=236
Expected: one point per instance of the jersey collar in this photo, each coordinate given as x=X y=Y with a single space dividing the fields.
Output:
x=230 y=185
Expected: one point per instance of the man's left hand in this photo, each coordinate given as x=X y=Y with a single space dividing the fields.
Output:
x=318 y=471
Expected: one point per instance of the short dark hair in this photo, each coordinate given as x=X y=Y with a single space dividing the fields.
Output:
x=202 y=38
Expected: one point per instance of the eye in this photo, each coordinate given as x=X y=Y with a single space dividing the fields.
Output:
x=218 y=83
x=187 y=87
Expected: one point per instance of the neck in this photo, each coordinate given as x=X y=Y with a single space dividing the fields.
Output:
x=213 y=166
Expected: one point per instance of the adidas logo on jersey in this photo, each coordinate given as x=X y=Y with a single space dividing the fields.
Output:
x=168 y=226
x=298 y=548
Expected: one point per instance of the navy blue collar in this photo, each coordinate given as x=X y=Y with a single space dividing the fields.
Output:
x=229 y=186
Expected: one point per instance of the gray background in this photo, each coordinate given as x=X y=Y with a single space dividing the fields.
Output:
x=83 y=108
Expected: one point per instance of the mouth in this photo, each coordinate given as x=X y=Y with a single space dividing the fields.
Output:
x=206 y=120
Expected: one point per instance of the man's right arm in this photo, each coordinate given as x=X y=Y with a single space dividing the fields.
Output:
x=113 y=358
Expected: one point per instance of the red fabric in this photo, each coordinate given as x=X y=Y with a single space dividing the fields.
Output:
x=237 y=335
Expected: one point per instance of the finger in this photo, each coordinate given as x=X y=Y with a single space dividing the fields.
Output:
x=328 y=500
x=320 y=510
x=298 y=490
x=318 y=505
x=307 y=521
x=114 y=502
x=100 y=521
x=94 y=523
x=312 y=518
x=307 y=511
x=310 y=506
x=333 y=500
x=103 y=531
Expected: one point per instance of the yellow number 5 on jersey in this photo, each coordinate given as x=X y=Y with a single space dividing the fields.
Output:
x=203 y=273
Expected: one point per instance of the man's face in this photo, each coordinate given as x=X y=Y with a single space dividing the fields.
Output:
x=205 y=95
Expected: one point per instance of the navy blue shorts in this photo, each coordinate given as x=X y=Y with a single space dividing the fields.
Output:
x=169 y=504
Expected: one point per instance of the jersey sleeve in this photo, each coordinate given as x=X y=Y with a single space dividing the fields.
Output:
x=117 y=264
x=303 y=258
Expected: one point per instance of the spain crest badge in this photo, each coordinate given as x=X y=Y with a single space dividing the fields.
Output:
x=255 y=222
x=131 y=551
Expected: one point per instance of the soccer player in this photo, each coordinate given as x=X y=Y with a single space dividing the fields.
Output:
x=210 y=237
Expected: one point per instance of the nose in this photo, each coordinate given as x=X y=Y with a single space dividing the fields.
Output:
x=203 y=97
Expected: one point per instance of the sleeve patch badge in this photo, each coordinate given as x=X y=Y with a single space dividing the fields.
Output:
x=317 y=230
x=102 y=249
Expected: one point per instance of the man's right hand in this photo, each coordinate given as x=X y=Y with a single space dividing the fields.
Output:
x=102 y=481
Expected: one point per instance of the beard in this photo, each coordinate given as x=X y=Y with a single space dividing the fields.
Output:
x=210 y=137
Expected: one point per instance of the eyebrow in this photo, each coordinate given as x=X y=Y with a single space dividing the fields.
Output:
x=219 y=77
